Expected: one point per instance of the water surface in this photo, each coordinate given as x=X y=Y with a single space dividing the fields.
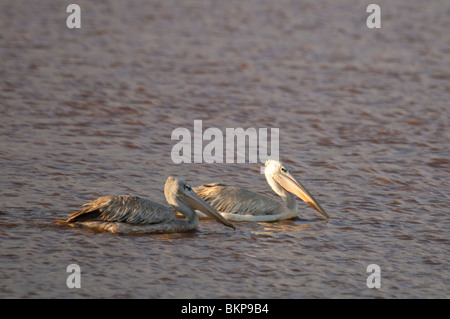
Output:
x=363 y=118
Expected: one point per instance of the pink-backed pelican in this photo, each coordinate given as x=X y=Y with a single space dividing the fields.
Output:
x=239 y=204
x=131 y=214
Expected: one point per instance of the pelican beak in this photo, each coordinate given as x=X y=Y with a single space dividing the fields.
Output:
x=196 y=202
x=292 y=185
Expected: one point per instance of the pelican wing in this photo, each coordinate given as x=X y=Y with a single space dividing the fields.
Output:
x=235 y=200
x=126 y=208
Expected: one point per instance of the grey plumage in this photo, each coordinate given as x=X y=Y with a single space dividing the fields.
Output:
x=132 y=214
x=125 y=209
x=236 y=200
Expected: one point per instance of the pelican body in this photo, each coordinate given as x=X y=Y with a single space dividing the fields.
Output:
x=239 y=204
x=132 y=214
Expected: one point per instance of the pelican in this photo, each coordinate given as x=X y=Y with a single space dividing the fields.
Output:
x=132 y=214
x=239 y=204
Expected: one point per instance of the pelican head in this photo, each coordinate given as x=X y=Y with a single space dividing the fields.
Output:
x=280 y=178
x=180 y=196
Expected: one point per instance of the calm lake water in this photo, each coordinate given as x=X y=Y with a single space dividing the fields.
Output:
x=364 y=124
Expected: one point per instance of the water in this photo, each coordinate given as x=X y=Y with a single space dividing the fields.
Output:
x=363 y=117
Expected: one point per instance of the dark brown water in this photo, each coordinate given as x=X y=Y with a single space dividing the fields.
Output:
x=364 y=123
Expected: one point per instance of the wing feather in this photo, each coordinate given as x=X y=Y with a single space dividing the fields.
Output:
x=125 y=208
x=236 y=200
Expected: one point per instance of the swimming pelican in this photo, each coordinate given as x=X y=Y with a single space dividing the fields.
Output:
x=131 y=214
x=239 y=204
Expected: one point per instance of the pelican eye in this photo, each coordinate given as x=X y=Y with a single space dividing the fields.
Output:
x=283 y=169
x=187 y=187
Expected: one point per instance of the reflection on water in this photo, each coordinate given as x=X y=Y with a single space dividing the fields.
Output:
x=363 y=119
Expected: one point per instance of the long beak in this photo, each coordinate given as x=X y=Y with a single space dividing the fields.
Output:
x=196 y=202
x=292 y=185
